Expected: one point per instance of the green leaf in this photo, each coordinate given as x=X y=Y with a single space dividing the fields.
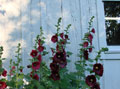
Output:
x=69 y=53
x=44 y=53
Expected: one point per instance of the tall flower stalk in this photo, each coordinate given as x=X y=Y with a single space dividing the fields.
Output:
x=85 y=64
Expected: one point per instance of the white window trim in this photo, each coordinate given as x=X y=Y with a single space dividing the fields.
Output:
x=111 y=0
x=114 y=51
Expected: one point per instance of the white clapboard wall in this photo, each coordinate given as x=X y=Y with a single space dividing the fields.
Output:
x=20 y=21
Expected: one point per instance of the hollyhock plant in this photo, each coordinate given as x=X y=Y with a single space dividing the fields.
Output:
x=4 y=73
x=59 y=59
x=54 y=38
x=62 y=35
x=55 y=75
x=36 y=65
x=86 y=54
x=95 y=86
x=40 y=48
x=93 y=30
x=85 y=64
x=98 y=69
x=90 y=49
x=90 y=80
x=2 y=85
x=54 y=66
x=59 y=56
x=34 y=53
x=66 y=36
x=36 y=77
x=85 y=44
x=90 y=37
x=39 y=58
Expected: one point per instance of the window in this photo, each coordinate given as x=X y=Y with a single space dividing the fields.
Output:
x=112 y=22
x=110 y=35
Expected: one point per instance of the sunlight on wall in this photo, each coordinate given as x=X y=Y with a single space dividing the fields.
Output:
x=10 y=22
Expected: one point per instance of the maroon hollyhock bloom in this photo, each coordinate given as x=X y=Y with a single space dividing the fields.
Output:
x=55 y=75
x=21 y=70
x=98 y=69
x=90 y=37
x=54 y=67
x=54 y=38
x=40 y=48
x=62 y=35
x=66 y=36
x=86 y=54
x=59 y=48
x=59 y=56
x=34 y=53
x=63 y=63
x=95 y=86
x=2 y=85
x=39 y=58
x=35 y=65
x=4 y=73
x=85 y=44
x=36 y=77
x=39 y=42
x=63 y=41
x=93 y=30
x=31 y=74
x=90 y=80
x=90 y=49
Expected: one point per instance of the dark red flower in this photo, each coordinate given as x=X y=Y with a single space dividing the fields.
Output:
x=93 y=30
x=54 y=66
x=98 y=69
x=59 y=56
x=90 y=49
x=39 y=42
x=54 y=38
x=55 y=75
x=31 y=74
x=39 y=58
x=90 y=37
x=90 y=80
x=62 y=35
x=36 y=77
x=40 y=48
x=35 y=65
x=63 y=63
x=2 y=85
x=59 y=48
x=86 y=54
x=4 y=73
x=34 y=53
x=21 y=70
x=85 y=44
x=63 y=41
x=95 y=86
x=66 y=36
x=13 y=67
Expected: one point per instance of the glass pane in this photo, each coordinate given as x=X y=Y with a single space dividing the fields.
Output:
x=112 y=23
x=113 y=32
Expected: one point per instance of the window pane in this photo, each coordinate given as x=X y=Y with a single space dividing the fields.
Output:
x=112 y=23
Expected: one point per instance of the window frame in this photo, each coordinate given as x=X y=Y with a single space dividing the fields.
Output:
x=114 y=51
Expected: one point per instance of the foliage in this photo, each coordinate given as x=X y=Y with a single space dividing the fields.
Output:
x=57 y=75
